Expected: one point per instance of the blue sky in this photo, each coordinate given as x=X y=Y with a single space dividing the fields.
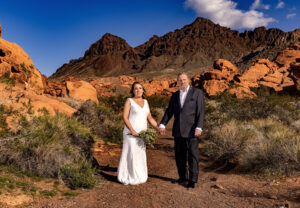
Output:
x=53 y=32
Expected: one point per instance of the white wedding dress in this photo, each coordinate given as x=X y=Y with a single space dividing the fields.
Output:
x=132 y=168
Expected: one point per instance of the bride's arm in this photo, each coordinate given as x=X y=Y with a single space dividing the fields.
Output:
x=126 y=116
x=152 y=121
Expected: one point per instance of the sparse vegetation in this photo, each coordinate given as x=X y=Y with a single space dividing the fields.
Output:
x=4 y=113
x=28 y=106
x=10 y=81
x=46 y=144
x=259 y=134
x=23 y=66
x=104 y=119
x=48 y=193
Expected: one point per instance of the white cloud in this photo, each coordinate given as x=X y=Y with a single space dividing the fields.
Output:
x=290 y=16
x=280 y=4
x=257 y=4
x=225 y=13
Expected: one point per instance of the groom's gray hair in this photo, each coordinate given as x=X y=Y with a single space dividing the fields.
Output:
x=182 y=73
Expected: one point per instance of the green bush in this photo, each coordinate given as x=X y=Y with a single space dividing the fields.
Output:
x=78 y=175
x=45 y=144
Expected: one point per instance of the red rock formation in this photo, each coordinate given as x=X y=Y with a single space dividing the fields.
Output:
x=288 y=56
x=22 y=85
x=110 y=86
x=281 y=75
x=17 y=65
x=217 y=80
x=72 y=87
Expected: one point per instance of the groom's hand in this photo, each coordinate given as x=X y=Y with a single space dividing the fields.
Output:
x=198 y=132
x=162 y=131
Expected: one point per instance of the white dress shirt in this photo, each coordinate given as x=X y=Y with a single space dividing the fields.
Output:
x=182 y=97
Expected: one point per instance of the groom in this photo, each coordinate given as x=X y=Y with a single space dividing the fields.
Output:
x=187 y=106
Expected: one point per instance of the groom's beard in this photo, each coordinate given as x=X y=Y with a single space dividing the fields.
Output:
x=183 y=88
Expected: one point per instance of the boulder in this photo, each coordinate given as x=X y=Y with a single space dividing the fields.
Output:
x=81 y=90
x=215 y=87
x=242 y=92
x=289 y=55
x=257 y=71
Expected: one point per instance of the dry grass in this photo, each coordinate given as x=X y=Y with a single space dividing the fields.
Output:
x=276 y=149
x=261 y=135
x=46 y=144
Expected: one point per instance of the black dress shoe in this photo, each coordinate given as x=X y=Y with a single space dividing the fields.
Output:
x=180 y=180
x=191 y=184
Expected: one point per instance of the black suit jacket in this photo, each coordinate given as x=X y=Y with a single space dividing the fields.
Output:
x=187 y=118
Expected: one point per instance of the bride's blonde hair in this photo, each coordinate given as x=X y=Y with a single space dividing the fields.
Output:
x=132 y=89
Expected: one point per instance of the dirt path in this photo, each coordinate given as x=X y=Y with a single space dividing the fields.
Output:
x=213 y=189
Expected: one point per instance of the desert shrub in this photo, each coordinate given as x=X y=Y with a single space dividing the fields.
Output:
x=102 y=119
x=4 y=131
x=45 y=144
x=296 y=125
x=4 y=113
x=116 y=103
x=284 y=107
x=275 y=150
x=228 y=141
x=157 y=113
x=156 y=101
x=287 y=108
x=246 y=109
x=78 y=175
x=74 y=103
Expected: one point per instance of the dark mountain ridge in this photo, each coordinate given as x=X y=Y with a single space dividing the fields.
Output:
x=194 y=46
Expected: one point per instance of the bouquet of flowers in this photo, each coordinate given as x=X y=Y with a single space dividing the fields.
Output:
x=148 y=136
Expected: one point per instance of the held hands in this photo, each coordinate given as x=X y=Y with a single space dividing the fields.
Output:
x=162 y=131
x=198 y=132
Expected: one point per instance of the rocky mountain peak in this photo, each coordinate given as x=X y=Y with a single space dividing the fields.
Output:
x=194 y=46
x=108 y=44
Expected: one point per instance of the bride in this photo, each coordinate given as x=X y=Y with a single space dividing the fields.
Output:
x=132 y=168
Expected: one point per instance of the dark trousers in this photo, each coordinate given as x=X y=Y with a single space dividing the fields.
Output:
x=186 y=149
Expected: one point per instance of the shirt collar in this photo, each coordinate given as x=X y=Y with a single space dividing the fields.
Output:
x=187 y=89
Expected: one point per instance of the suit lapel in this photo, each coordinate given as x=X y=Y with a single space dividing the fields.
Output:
x=178 y=98
x=189 y=94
